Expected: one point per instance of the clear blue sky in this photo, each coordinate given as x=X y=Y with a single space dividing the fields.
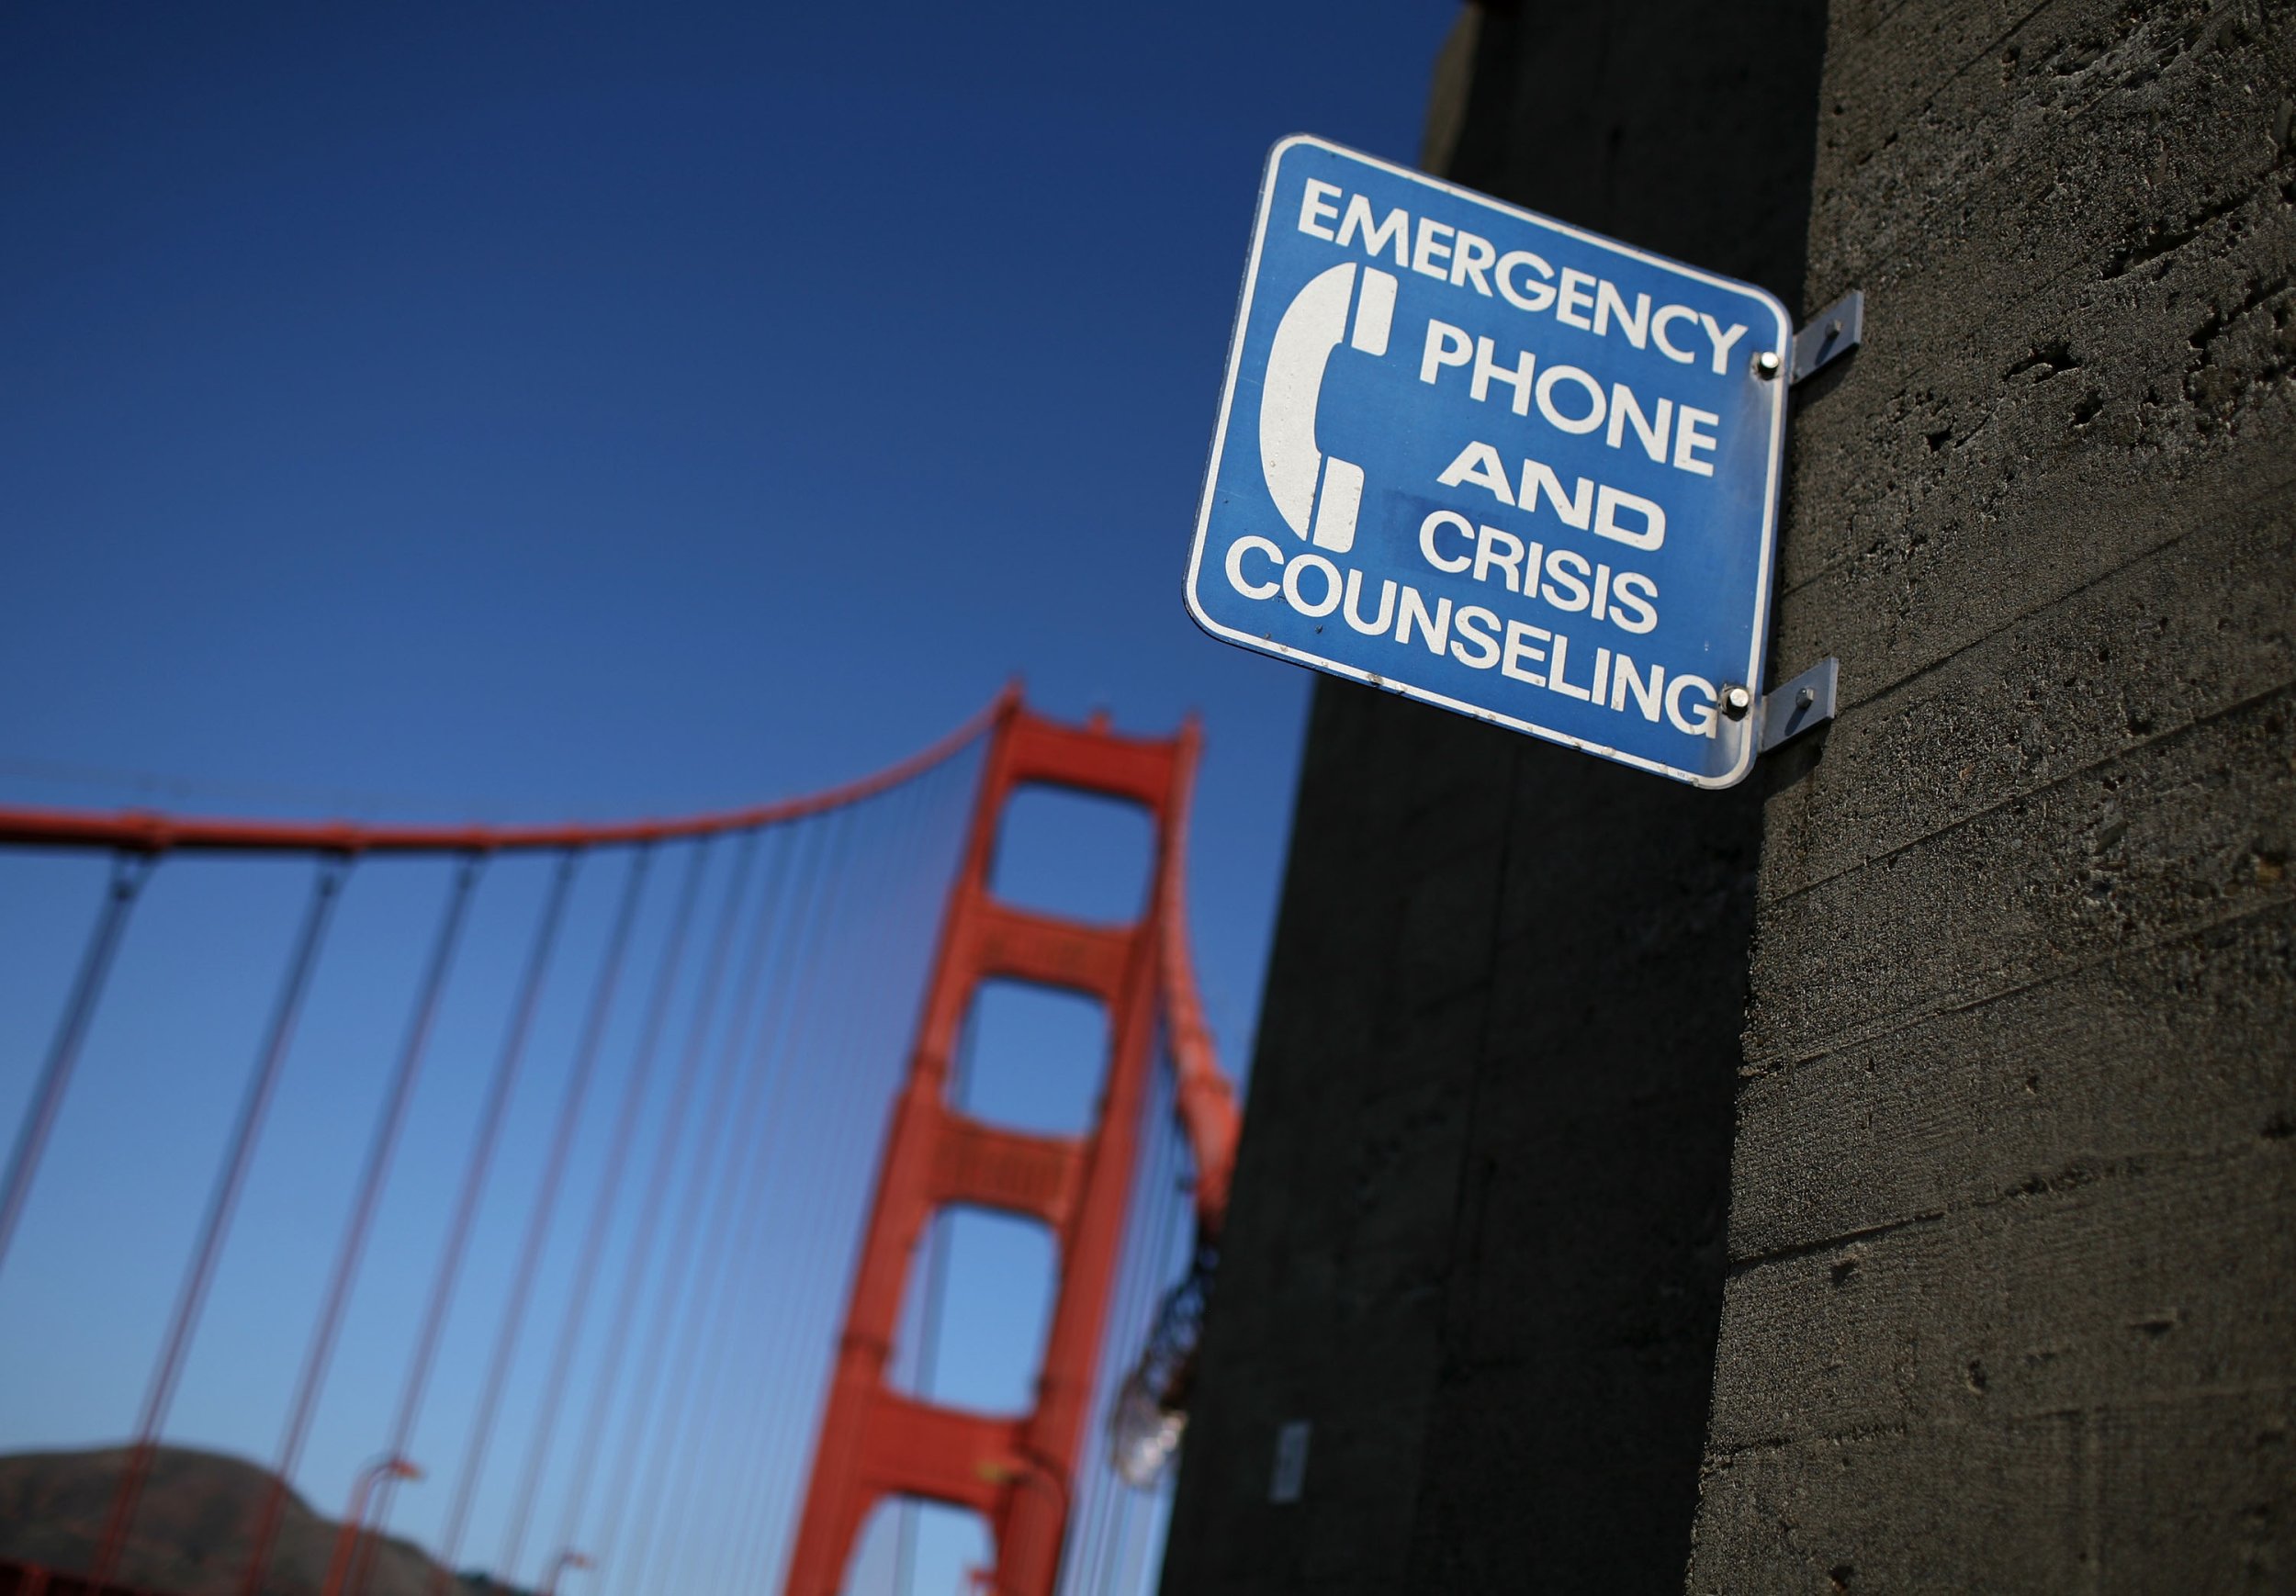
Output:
x=523 y=412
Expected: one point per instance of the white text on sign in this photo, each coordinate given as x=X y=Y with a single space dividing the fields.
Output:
x=1522 y=278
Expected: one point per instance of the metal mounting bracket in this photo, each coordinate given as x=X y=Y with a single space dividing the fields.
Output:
x=1836 y=329
x=1793 y=707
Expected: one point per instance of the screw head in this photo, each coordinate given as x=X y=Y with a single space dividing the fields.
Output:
x=1736 y=702
x=1766 y=365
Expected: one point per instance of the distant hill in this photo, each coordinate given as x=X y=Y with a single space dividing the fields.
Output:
x=192 y=1529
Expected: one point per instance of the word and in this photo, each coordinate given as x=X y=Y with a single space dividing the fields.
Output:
x=1589 y=506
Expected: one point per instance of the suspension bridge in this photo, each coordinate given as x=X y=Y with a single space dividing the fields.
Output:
x=578 y=1201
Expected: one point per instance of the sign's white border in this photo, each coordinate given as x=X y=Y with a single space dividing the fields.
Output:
x=1745 y=727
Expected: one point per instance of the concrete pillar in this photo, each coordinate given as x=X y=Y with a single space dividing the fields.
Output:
x=2012 y=1301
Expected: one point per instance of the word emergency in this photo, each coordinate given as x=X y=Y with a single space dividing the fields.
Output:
x=1521 y=277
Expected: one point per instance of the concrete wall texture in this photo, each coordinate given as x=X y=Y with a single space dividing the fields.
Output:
x=1988 y=1282
x=2012 y=1301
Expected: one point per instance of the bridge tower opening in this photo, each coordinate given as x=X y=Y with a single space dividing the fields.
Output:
x=875 y=1442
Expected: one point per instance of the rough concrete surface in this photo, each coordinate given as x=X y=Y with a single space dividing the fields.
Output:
x=2011 y=1301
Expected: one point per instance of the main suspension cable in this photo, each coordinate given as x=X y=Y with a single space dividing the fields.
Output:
x=140 y=831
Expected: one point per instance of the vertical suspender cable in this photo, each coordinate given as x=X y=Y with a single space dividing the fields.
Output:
x=829 y=1251
x=1159 y=1239
x=216 y=1224
x=776 y=1045
x=128 y=873
x=1149 y=1501
x=1097 y=1491
x=544 y=1207
x=832 y=1259
x=659 y=1180
x=1155 y=1199
x=388 y=1124
x=751 y=1211
x=1185 y=1232
x=755 y=1476
x=458 y=1240
x=740 y=1114
x=1092 y=1502
x=726 y=1113
x=782 y=1423
x=833 y=1253
x=826 y=1241
x=649 y=1437
x=724 y=1254
x=603 y=1211
x=1096 y=1553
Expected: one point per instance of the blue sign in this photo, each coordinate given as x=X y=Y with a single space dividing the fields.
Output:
x=1478 y=457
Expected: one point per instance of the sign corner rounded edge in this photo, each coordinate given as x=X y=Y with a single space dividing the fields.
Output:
x=1297 y=140
x=1202 y=618
x=1283 y=147
x=1725 y=780
x=1196 y=610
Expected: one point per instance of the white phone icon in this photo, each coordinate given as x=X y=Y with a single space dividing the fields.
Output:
x=1309 y=488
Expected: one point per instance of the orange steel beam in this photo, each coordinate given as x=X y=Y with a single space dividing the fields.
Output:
x=1015 y=1470
x=142 y=831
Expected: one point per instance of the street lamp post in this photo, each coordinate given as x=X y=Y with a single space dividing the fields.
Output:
x=569 y=1558
x=388 y=1466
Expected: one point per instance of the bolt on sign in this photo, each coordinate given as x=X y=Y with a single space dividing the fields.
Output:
x=1471 y=455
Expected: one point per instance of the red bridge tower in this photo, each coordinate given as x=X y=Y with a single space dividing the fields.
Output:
x=1015 y=1471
